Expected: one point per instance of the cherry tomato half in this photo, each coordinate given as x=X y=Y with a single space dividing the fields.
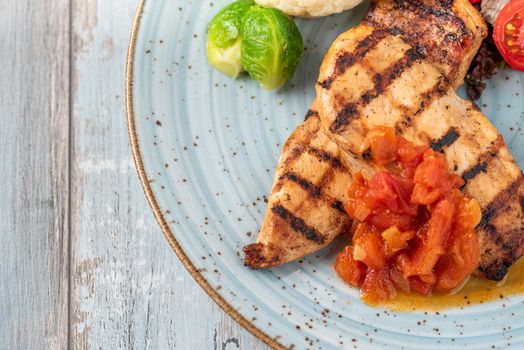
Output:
x=508 y=34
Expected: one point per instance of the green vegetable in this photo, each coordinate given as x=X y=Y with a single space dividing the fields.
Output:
x=223 y=38
x=263 y=41
x=271 y=46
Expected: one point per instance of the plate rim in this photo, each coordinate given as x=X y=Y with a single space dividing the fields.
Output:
x=168 y=233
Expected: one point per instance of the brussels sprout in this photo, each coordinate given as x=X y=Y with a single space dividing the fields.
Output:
x=223 y=38
x=271 y=46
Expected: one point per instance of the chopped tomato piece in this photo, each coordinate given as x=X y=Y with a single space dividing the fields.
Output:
x=429 y=278
x=409 y=156
x=357 y=209
x=350 y=270
x=383 y=145
x=396 y=240
x=387 y=190
x=434 y=239
x=384 y=201
x=403 y=263
x=463 y=253
x=431 y=179
x=469 y=215
x=368 y=247
x=419 y=286
x=384 y=219
x=356 y=188
x=460 y=262
x=399 y=281
x=361 y=230
x=377 y=286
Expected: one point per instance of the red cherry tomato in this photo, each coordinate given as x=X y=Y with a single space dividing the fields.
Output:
x=508 y=34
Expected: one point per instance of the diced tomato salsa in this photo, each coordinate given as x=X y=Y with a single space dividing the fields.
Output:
x=416 y=229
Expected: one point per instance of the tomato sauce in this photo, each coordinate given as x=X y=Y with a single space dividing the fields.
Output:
x=478 y=290
x=415 y=229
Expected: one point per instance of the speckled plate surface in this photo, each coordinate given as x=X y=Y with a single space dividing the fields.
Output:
x=206 y=147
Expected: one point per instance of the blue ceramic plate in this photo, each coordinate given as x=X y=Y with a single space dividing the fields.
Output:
x=206 y=148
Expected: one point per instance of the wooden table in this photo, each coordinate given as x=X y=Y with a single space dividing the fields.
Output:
x=83 y=264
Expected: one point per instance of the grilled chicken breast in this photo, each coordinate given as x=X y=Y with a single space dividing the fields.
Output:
x=441 y=36
x=305 y=209
x=392 y=83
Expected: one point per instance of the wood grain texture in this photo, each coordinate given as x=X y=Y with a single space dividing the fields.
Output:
x=83 y=263
x=34 y=167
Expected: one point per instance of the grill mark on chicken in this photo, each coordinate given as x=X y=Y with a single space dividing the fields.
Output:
x=326 y=178
x=315 y=191
x=403 y=124
x=310 y=113
x=496 y=206
x=426 y=98
x=483 y=161
x=298 y=224
x=441 y=32
x=497 y=270
x=296 y=153
x=344 y=117
x=381 y=81
x=334 y=203
x=472 y=172
x=338 y=205
x=438 y=90
x=320 y=154
x=397 y=31
x=442 y=12
x=445 y=141
x=506 y=251
x=324 y=181
x=302 y=147
x=325 y=156
x=446 y=18
x=347 y=59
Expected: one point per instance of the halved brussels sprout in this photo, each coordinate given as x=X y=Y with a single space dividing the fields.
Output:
x=271 y=46
x=223 y=38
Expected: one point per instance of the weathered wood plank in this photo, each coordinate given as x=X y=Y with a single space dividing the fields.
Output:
x=34 y=166
x=128 y=289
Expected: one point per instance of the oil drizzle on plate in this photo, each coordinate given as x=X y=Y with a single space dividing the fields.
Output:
x=476 y=291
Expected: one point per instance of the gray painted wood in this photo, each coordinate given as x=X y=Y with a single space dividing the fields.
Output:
x=34 y=163
x=83 y=264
